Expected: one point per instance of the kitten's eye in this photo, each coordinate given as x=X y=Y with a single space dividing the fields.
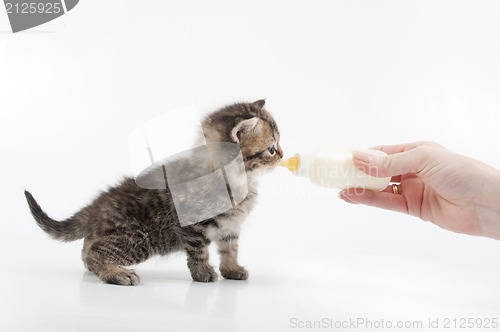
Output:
x=271 y=150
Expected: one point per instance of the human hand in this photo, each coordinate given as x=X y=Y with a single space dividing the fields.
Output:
x=452 y=191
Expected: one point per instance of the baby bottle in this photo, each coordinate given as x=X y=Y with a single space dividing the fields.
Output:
x=330 y=167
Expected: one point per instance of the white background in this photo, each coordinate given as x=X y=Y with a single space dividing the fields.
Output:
x=346 y=73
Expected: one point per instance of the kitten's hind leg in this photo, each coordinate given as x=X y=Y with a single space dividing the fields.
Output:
x=116 y=275
x=228 y=250
x=105 y=257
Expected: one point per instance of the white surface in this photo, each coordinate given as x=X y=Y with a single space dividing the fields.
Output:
x=400 y=71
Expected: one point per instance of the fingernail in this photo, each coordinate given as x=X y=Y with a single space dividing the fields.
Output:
x=344 y=195
x=362 y=156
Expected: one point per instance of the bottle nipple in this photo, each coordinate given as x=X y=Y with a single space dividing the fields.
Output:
x=291 y=163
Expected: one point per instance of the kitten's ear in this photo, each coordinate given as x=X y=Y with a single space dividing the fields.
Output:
x=244 y=126
x=259 y=103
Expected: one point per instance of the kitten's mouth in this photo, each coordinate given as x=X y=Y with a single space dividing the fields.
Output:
x=265 y=167
x=273 y=165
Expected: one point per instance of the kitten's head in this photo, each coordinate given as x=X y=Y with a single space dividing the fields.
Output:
x=250 y=126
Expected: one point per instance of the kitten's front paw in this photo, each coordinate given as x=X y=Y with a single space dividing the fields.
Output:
x=240 y=273
x=204 y=273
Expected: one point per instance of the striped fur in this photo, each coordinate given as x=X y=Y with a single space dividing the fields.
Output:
x=127 y=224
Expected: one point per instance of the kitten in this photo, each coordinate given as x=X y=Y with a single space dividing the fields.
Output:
x=128 y=224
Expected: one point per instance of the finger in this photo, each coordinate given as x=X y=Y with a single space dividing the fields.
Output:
x=390 y=189
x=408 y=162
x=345 y=198
x=392 y=149
x=383 y=200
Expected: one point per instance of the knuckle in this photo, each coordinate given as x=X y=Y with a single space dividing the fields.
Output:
x=424 y=155
x=424 y=151
x=431 y=144
x=388 y=162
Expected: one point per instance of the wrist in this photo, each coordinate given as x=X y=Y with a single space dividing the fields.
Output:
x=488 y=204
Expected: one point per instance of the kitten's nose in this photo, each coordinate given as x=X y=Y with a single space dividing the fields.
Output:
x=280 y=152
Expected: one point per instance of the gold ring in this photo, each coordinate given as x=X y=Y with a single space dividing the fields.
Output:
x=395 y=189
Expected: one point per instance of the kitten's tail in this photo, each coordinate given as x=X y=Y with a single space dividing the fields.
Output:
x=71 y=229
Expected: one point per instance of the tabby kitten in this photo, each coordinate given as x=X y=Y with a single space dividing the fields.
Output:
x=128 y=224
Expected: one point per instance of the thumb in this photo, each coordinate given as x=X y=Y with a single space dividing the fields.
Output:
x=411 y=161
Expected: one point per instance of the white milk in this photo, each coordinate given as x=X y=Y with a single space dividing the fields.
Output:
x=334 y=168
